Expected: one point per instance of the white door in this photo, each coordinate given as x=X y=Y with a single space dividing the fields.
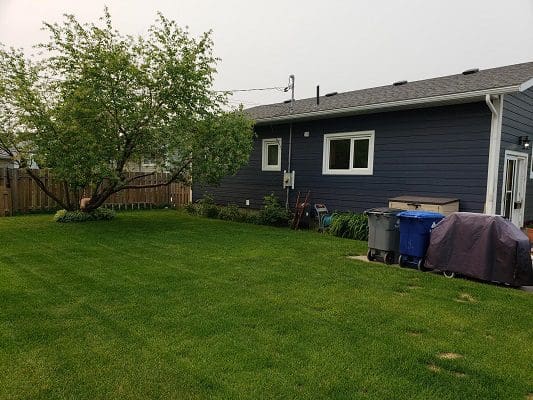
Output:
x=514 y=187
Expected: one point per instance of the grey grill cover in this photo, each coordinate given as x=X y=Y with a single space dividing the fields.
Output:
x=481 y=246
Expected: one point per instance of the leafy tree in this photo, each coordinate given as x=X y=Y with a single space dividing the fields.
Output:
x=93 y=101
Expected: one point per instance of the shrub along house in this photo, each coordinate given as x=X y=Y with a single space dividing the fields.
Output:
x=463 y=136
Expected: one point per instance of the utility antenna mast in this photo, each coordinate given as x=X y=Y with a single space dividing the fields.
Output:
x=291 y=86
x=290 y=175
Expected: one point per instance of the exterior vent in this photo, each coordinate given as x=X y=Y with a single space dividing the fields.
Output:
x=471 y=71
x=287 y=101
x=331 y=94
x=399 y=83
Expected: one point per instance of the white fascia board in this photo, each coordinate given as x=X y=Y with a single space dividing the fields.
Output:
x=449 y=98
x=526 y=85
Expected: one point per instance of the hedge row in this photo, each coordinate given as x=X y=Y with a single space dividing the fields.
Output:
x=271 y=213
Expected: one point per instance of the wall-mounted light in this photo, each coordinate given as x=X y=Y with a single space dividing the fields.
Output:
x=524 y=142
x=306 y=134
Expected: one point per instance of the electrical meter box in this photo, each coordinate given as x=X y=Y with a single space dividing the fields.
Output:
x=288 y=179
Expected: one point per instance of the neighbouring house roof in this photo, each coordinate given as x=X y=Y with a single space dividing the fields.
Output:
x=453 y=88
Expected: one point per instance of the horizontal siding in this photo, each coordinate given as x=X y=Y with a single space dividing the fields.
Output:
x=439 y=151
x=517 y=121
x=250 y=183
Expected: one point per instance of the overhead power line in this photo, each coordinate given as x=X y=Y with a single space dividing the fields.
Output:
x=244 y=102
x=280 y=88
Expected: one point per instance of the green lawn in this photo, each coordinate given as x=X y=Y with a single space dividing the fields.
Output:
x=162 y=305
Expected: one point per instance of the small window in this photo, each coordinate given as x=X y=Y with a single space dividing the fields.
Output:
x=272 y=154
x=350 y=153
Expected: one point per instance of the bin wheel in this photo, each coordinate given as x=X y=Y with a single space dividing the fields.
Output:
x=401 y=261
x=420 y=265
x=370 y=256
x=449 y=274
x=389 y=258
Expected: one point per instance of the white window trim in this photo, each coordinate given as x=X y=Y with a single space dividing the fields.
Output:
x=266 y=143
x=349 y=135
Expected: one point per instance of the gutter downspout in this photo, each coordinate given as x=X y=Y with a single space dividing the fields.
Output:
x=496 y=108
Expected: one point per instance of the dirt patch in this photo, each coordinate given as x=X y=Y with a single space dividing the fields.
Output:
x=449 y=356
x=434 y=368
x=465 y=298
x=459 y=374
x=414 y=333
x=529 y=396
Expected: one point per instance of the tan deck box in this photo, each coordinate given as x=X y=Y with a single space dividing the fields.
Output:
x=442 y=205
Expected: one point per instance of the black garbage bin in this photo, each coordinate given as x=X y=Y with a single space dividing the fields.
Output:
x=383 y=234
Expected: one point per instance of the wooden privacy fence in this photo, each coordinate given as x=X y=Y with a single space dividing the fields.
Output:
x=20 y=194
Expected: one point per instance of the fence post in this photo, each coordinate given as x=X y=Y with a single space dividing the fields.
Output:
x=5 y=200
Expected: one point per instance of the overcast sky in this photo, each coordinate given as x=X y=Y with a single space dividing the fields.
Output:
x=340 y=44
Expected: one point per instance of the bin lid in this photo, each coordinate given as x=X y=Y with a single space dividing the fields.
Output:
x=420 y=215
x=384 y=211
x=424 y=200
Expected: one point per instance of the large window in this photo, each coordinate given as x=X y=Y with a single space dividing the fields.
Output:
x=348 y=153
x=271 y=155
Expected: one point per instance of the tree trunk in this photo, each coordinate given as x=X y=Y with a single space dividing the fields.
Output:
x=100 y=198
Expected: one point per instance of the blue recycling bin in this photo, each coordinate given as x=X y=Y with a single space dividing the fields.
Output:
x=415 y=230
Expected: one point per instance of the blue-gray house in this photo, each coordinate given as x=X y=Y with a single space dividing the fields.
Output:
x=463 y=136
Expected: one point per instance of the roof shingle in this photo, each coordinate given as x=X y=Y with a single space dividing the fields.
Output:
x=495 y=78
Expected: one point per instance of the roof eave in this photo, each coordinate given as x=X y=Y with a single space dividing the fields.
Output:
x=526 y=85
x=401 y=104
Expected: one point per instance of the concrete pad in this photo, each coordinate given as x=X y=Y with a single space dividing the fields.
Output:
x=363 y=258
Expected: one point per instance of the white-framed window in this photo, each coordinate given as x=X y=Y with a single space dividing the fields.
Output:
x=348 y=153
x=271 y=155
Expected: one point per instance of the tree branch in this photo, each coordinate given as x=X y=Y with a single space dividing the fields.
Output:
x=43 y=187
x=67 y=194
x=173 y=178
x=99 y=199
x=5 y=148
x=154 y=185
x=126 y=154
x=141 y=176
x=97 y=188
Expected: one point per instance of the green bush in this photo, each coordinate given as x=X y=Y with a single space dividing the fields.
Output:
x=100 y=214
x=251 y=218
x=206 y=207
x=232 y=213
x=273 y=213
x=191 y=208
x=350 y=226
